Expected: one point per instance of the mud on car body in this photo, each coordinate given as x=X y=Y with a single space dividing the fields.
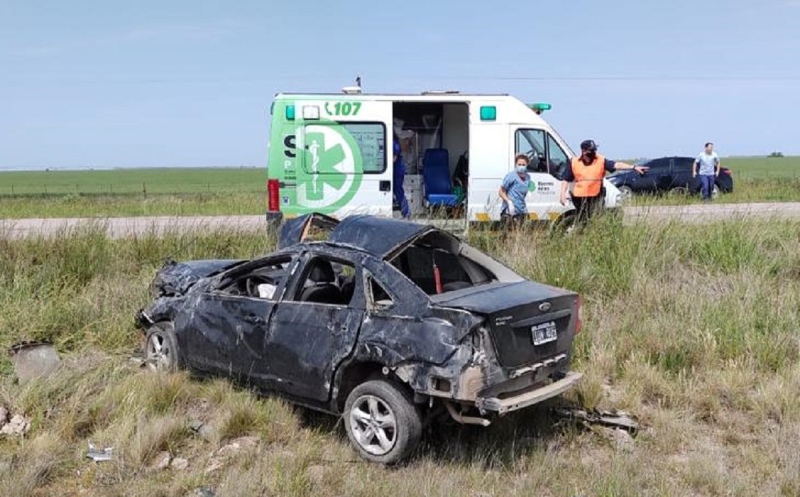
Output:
x=383 y=321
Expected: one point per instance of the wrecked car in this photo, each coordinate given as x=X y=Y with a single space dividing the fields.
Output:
x=385 y=322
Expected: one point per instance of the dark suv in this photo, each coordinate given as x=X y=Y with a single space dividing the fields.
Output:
x=667 y=174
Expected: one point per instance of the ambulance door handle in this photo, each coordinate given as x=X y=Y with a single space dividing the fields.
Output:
x=385 y=186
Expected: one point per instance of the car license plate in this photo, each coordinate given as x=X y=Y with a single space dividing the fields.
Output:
x=544 y=333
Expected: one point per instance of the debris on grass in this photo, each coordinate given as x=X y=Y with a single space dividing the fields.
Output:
x=619 y=420
x=99 y=455
x=33 y=359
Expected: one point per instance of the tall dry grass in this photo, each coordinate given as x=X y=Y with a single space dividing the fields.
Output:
x=692 y=328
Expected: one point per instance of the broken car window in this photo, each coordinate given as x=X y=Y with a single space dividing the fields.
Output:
x=379 y=297
x=261 y=281
x=435 y=265
x=327 y=281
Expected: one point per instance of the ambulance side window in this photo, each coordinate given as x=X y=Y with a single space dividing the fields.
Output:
x=531 y=142
x=556 y=157
x=329 y=148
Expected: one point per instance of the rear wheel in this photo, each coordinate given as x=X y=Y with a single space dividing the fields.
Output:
x=161 y=349
x=382 y=422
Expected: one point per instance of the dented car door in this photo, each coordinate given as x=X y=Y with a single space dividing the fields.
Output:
x=228 y=334
x=308 y=340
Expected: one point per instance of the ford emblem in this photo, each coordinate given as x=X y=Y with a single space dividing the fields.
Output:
x=544 y=306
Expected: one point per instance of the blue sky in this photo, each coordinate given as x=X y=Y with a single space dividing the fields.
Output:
x=188 y=83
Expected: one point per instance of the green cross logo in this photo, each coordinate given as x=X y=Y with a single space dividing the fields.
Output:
x=331 y=168
x=531 y=186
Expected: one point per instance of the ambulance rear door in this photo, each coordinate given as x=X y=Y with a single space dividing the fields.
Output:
x=346 y=164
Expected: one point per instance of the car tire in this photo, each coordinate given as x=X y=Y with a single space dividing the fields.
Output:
x=625 y=193
x=680 y=191
x=382 y=422
x=161 y=348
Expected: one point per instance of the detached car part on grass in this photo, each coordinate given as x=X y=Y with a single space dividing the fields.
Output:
x=385 y=322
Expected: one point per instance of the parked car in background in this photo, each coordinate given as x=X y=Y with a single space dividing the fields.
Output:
x=384 y=322
x=667 y=174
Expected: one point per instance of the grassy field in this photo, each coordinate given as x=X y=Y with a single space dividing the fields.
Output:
x=143 y=192
x=691 y=328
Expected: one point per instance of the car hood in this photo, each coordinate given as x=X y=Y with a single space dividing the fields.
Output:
x=494 y=297
x=175 y=278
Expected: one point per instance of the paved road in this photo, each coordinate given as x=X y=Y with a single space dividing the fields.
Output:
x=142 y=226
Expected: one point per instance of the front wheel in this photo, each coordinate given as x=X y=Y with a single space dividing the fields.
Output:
x=382 y=422
x=161 y=350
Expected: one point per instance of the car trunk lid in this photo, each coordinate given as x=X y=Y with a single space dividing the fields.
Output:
x=528 y=322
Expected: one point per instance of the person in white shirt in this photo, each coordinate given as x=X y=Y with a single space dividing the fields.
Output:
x=707 y=165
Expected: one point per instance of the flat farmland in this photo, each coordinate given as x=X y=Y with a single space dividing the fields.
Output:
x=242 y=191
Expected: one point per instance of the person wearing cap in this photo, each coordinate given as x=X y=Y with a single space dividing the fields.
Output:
x=588 y=171
x=398 y=177
x=514 y=190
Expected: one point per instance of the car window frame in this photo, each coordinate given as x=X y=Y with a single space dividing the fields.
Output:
x=300 y=274
x=225 y=280
x=662 y=168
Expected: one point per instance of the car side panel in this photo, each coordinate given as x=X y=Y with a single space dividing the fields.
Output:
x=225 y=335
x=307 y=341
x=408 y=331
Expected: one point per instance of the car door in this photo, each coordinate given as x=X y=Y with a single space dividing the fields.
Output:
x=226 y=334
x=682 y=174
x=547 y=162
x=315 y=326
x=653 y=180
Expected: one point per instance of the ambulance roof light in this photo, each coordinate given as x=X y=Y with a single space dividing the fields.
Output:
x=538 y=108
x=351 y=90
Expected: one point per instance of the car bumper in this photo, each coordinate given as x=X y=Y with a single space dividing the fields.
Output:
x=505 y=405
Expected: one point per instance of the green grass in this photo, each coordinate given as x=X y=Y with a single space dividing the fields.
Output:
x=179 y=192
x=140 y=182
x=747 y=168
x=691 y=328
x=179 y=204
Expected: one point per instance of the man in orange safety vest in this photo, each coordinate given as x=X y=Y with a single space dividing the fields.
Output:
x=588 y=171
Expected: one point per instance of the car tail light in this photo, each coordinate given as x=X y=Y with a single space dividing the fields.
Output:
x=579 y=324
x=273 y=195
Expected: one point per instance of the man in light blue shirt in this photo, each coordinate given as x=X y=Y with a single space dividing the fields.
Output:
x=707 y=165
x=514 y=189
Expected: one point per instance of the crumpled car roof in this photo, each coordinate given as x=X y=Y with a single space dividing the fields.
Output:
x=376 y=235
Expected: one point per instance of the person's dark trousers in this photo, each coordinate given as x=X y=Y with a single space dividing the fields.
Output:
x=586 y=207
x=400 y=193
x=706 y=186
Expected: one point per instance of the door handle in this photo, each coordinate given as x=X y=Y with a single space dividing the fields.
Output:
x=385 y=185
x=253 y=319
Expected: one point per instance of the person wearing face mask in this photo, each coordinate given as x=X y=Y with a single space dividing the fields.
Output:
x=514 y=189
x=588 y=171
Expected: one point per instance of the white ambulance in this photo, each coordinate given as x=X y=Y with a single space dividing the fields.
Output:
x=332 y=153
